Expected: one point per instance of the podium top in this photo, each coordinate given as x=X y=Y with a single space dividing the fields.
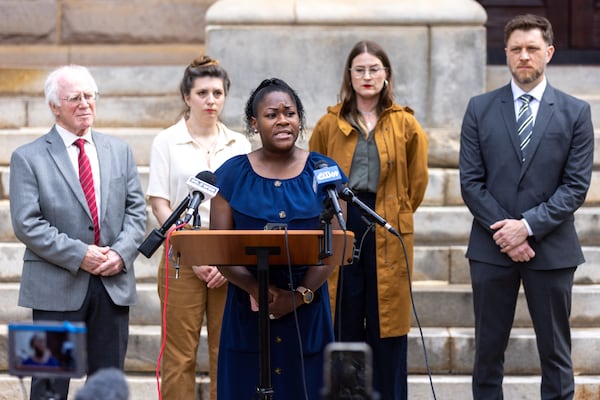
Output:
x=237 y=247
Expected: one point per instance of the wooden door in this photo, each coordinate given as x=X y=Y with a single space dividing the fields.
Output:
x=576 y=25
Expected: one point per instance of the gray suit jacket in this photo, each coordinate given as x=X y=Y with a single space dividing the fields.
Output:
x=51 y=217
x=546 y=189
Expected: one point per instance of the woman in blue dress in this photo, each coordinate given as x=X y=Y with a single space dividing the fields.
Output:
x=273 y=184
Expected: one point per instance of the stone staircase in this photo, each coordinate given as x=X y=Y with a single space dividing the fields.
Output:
x=138 y=101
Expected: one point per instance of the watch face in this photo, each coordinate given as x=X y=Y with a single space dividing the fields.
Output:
x=308 y=296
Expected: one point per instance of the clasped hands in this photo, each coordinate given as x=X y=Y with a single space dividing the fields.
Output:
x=511 y=236
x=280 y=302
x=102 y=261
x=209 y=274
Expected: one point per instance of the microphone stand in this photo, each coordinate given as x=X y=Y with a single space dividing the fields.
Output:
x=197 y=220
x=325 y=217
x=367 y=213
x=157 y=236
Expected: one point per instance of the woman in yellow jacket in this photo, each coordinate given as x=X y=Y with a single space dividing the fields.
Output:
x=382 y=148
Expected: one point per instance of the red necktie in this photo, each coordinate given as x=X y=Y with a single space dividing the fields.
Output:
x=87 y=184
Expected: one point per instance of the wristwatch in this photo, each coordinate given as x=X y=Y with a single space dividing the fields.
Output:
x=307 y=294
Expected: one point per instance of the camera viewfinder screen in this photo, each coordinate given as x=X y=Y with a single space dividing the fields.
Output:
x=47 y=349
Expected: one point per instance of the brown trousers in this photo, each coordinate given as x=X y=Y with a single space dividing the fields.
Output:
x=188 y=300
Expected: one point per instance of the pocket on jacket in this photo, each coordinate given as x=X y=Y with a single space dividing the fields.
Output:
x=406 y=222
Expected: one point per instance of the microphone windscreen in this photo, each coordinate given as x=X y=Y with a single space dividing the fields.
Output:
x=325 y=176
x=207 y=177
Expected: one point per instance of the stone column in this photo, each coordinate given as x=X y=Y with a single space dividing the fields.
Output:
x=437 y=49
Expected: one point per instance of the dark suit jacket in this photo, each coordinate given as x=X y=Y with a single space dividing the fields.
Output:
x=546 y=189
x=51 y=217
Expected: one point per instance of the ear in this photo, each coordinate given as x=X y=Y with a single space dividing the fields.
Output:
x=549 y=53
x=254 y=124
x=54 y=108
x=186 y=99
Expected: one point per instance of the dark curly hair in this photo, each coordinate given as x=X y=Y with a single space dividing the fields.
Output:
x=269 y=86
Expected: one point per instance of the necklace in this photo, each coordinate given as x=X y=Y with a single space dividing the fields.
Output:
x=209 y=148
x=208 y=142
x=370 y=118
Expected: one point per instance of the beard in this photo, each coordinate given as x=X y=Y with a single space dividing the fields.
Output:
x=526 y=78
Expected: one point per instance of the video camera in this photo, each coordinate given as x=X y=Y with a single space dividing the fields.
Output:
x=348 y=372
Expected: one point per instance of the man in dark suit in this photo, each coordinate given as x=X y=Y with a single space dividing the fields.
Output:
x=524 y=171
x=81 y=237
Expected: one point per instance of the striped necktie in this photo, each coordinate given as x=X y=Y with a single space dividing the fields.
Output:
x=87 y=184
x=524 y=122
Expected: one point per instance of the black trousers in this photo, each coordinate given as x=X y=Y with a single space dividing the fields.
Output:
x=548 y=294
x=357 y=316
x=107 y=335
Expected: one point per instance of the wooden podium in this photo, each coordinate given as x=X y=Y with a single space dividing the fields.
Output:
x=261 y=248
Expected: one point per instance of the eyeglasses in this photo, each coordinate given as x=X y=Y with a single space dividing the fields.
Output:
x=359 y=72
x=77 y=98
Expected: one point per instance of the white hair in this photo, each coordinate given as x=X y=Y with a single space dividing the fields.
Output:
x=51 y=85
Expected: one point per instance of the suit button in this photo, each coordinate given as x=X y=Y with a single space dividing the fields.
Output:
x=90 y=228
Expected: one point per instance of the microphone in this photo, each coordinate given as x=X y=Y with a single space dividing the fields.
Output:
x=348 y=195
x=202 y=188
x=329 y=180
x=157 y=236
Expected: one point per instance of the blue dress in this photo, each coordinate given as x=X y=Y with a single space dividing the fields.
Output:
x=255 y=201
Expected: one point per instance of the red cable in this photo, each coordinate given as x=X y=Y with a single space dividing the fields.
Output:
x=164 y=310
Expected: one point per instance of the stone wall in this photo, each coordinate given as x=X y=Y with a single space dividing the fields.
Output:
x=68 y=22
x=109 y=32
x=436 y=47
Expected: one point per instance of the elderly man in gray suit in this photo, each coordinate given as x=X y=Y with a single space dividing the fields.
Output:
x=525 y=168
x=77 y=205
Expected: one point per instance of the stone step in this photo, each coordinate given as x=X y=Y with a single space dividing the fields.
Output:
x=140 y=140
x=437 y=305
x=451 y=305
x=442 y=264
x=456 y=387
x=43 y=57
x=449 y=351
x=435 y=225
x=451 y=225
x=157 y=69
x=147 y=96
x=448 y=265
x=574 y=79
x=141 y=387
x=443 y=187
